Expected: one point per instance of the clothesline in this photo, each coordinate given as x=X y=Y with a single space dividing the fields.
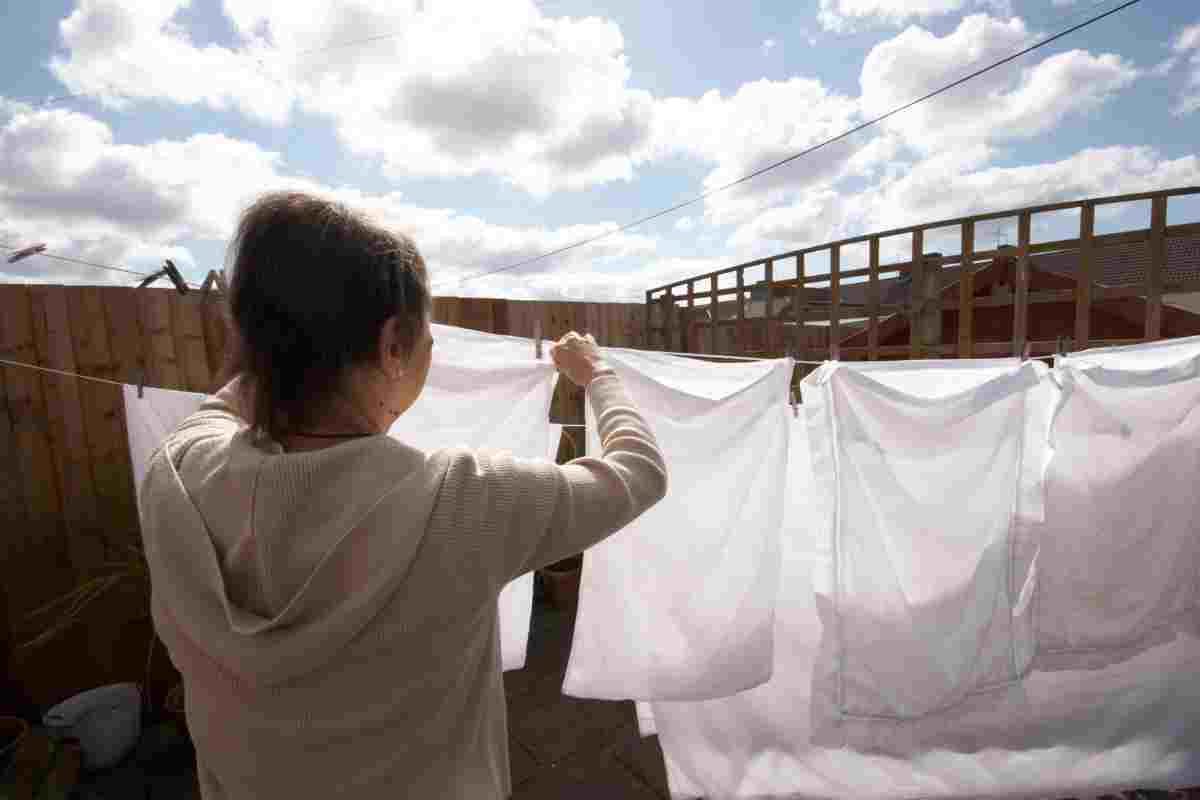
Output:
x=732 y=358
x=62 y=372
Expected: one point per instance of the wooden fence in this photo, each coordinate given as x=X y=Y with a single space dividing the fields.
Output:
x=66 y=489
x=679 y=315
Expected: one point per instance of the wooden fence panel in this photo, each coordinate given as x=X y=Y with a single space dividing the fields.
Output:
x=67 y=499
x=187 y=327
x=68 y=441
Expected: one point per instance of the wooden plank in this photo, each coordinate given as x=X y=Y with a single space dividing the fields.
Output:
x=594 y=325
x=916 y=346
x=714 y=318
x=122 y=318
x=187 y=326
x=691 y=319
x=648 y=318
x=873 y=301
x=800 y=311
x=966 y=293
x=108 y=451
x=1085 y=275
x=667 y=302
x=1156 y=268
x=500 y=321
x=13 y=521
x=835 y=302
x=1042 y=347
x=741 y=310
x=162 y=364
x=215 y=317
x=894 y=351
x=68 y=439
x=35 y=569
x=635 y=336
x=103 y=410
x=1021 y=285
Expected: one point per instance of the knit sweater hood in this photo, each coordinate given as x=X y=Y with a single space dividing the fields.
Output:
x=259 y=559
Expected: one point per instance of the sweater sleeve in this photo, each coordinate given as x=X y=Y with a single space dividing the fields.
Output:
x=524 y=514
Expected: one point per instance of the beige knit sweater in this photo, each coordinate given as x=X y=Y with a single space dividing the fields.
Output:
x=333 y=612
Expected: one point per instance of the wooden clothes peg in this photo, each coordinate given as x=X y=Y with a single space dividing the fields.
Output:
x=169 y=271
x=537 y=339
x=214 y=278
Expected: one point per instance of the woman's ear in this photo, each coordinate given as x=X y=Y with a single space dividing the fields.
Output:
x=391 y=354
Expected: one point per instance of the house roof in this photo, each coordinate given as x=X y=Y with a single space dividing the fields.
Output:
x=1115 y=265
x=1125 y=264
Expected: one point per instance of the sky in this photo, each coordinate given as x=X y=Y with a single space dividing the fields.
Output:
x=492 y=132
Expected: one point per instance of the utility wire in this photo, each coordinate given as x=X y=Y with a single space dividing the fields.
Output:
x=795 y=156
x=92 y=264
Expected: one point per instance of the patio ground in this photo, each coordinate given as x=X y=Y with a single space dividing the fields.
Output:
x=560 y=747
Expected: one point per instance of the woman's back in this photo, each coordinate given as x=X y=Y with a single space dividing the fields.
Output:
x=333 y=612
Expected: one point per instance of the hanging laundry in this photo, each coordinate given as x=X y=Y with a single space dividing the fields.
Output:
x=488 y=392
x=483 y=391
x=1076 y=733
x=928 y=473
x=679 y=604
x=1120 y=554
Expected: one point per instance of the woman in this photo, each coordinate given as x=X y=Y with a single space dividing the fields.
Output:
x=328 y=593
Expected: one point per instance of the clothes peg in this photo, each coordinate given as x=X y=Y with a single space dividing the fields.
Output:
x=141 y=380
x=169 y=271
x=213 y=278
x=795 y=404
x=537 y=339
x=26 y=252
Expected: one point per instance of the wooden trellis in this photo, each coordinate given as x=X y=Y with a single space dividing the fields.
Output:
x=670 y=318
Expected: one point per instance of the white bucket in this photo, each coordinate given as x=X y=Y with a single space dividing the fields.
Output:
x=106 y=720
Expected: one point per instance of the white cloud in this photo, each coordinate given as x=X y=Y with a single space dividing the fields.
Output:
x=848 y=15
x=64 y=180
x=462 y=88
x=1188 y=43
x=960 y=183
x=1002 y=104
x=685 y=224
x=755 y=126
x=768 y=45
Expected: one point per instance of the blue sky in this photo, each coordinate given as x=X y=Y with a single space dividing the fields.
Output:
x=493 y=132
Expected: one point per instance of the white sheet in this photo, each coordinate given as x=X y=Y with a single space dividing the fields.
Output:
x=927 y=468
x=1073 y=734
x=488 y=392
x=483 y=391
x=1121 y=551
x=679 y=604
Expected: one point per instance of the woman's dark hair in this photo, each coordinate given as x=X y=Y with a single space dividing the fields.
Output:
x=313 y=283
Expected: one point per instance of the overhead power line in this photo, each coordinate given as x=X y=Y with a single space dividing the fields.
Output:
x=795 y=156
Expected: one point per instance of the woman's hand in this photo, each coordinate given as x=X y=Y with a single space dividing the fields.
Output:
x=578 y=358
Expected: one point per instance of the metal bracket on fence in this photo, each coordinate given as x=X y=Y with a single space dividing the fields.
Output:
x=170 y=271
